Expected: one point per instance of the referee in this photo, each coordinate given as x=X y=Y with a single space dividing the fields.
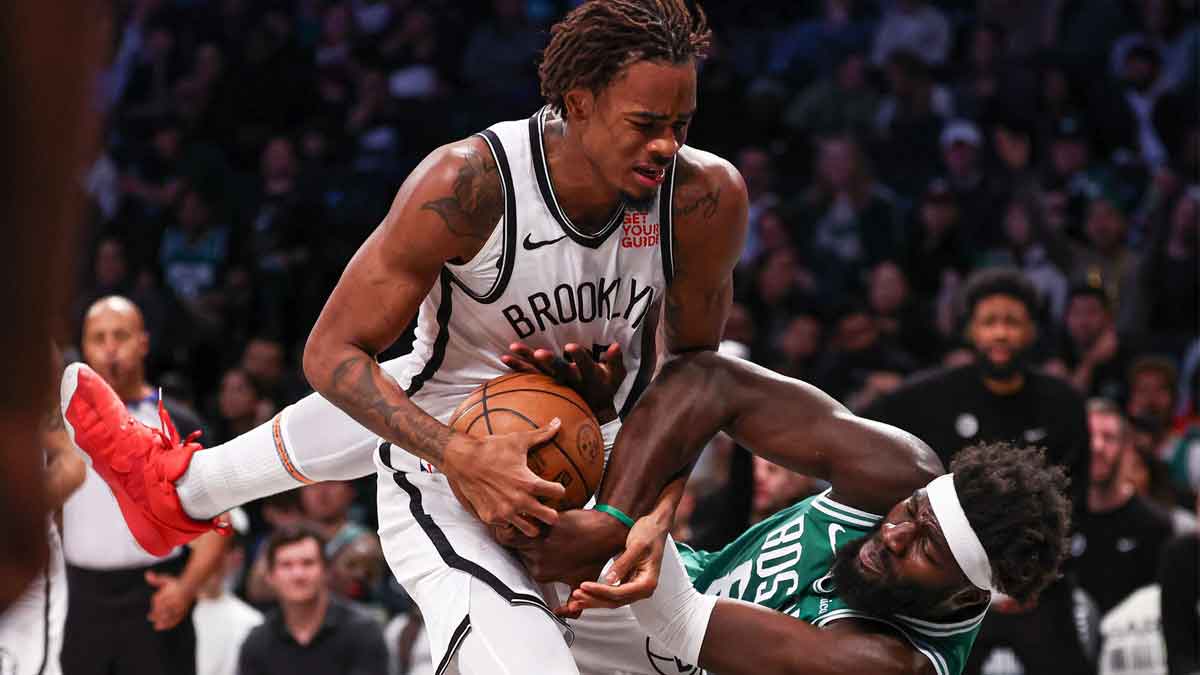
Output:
x=129 y=613
x=1000 y=397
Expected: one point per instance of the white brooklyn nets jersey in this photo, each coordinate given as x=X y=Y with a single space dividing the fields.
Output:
x=540 y=280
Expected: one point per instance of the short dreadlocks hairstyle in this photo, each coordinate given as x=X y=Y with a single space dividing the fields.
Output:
x=1018 y=506
x=596 y=41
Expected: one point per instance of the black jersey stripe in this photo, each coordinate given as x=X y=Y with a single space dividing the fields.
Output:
x=439 y=342
x=542 y=172
x=508 y=253
x=456 y=640
x=666 y=243
x=649 y=359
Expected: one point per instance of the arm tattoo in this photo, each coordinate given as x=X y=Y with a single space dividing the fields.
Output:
x=362 y=389
x=707 y=204
x=477 y=203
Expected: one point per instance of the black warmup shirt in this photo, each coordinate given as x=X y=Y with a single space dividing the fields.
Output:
x=347 y=643
x=1180 y=578
x=1117 y=552
x=951 y=409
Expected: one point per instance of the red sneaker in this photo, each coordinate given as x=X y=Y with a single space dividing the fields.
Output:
x=139 y=463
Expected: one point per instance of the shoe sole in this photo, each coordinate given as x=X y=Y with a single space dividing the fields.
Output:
x=66 y=391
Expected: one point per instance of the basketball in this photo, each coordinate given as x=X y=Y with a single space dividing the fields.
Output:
x=574 y=458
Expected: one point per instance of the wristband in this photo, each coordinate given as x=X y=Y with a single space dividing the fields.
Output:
x=615 y=513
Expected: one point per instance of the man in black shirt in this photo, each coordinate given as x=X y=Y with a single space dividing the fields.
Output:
x=1000 y=397
x=1179 y=576
x=1117 y=543
x=313 y=631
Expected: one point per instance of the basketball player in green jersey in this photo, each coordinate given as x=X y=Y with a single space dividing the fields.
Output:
x=827 y=585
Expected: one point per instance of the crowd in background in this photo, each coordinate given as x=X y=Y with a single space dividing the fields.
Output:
x=891 y=149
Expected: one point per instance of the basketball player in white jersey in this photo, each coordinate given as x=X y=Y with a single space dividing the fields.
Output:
x=31 y=629
x=567 y=228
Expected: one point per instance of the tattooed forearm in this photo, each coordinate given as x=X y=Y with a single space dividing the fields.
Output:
x=477 y=202
x=360 y=387
x=706 y=204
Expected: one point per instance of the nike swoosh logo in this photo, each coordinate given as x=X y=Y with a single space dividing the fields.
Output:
x=530 y=245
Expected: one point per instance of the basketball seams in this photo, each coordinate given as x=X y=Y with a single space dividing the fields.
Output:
x=564 y=453
x=483 y=400
x=582 y=409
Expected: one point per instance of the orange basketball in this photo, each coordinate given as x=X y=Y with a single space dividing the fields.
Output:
x=523 y=401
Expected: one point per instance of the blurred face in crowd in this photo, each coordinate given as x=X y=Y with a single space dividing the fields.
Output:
x=1069 y=155
x=1087 y=318
x=209 y=63
x=889 y=288
x=852 y=73
x=776 y=487
x=755 y=166
x=115 y=344
x=193 y=212
x=327 y=502
x=1110 y=441
x=263 y=359
x=1017 y=228
x=1001 y=332
x=772 y=231
x=960 y=158
x=985 y=48
x=778 y=275
x=856 y=332
x=1014 y=148
x=938 y=216
x=1151 y=396
x=631 y=129
x=297 y=574
x=278 y=159
x=801 y=338
x=110 y=263
x=1105 y=226
x=238 y=398
x=356 y=568
x=837 y=163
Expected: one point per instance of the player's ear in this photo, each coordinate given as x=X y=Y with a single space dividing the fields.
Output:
x=579 y=104
x=967 y=597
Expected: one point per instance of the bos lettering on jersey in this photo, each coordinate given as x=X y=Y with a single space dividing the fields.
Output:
x=585 y=302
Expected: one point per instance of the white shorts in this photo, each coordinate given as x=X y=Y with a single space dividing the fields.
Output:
x=435 y=548
x=612 y=642
x=31 y=630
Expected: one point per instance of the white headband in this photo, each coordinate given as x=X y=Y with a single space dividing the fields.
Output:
x=960 y=536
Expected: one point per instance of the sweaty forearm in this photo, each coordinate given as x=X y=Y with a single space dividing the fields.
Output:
x=663 y=435
x=353 y=381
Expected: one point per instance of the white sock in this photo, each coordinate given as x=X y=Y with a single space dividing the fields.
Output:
x=320 y=442
x=231 y=474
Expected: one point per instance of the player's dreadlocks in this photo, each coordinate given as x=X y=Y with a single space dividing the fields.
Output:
x=1019 y=509
x=597 y=40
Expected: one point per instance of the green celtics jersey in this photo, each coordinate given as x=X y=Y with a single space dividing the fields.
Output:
x=784 y=563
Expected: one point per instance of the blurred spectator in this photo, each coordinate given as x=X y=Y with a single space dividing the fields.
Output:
x=264 y=360
x=1143 y=86
x=910 y=121
x=962 y=154
x=356 y=566
x=780 y=281
x=1095 y=355
x=862 y=364
x=756 y=168
x=1072 y=171
x=194 y=254
x=1083 y=30
x=1117 y=543
x=278 y=512
x=1106 y=261
x=326 y=507
x=916 y=26
x=1152 y=382
x=334 y=51
x=498 y=59
x=313 y=630
x=796 y=350
x=371 y=120
x=240 y=406
x=1179 y=577
x=813 y=47
x=841 y=101
x=902 y=318
x=1030 y=247
x=1168 y=276
x=776 y=488
x=1000 y=398
x=222 y=619
x=129 y=612
x=978 y=87
x=854 y=223
x=936 y=245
